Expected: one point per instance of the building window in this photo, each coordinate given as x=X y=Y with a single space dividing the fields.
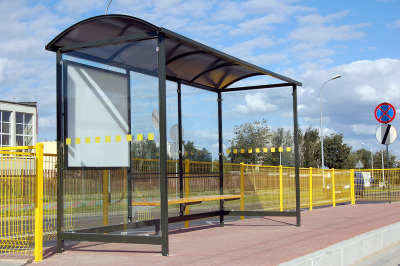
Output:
x=24 y=129
x=5 y=128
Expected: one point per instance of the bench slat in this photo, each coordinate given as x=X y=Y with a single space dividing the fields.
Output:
x=191 y=200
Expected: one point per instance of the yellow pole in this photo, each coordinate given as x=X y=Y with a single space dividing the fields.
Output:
x=39 y=203
x=106 y=196
x=333 y=188
x=280 y=187
x=242 y=189
x=311 y=189
x=187 y=187
x=353 y=198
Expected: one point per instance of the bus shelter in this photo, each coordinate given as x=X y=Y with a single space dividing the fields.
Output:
x=98 y=61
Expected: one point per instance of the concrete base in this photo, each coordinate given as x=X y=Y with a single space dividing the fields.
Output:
x=353 y=250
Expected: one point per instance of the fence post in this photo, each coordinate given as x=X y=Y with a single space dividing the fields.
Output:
x=333 y=188
x=280 y=188
x=311 y=189
x=352 y=192
x=106 y=196
x=242 y=189
x=39 y=203
x=187 y=187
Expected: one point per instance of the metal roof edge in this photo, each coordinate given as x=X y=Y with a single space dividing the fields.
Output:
x=226 y=56
x=50 y=45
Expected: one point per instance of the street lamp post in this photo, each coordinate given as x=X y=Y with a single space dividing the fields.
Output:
x=322 y=135
x=372 y=160
x=372 y=157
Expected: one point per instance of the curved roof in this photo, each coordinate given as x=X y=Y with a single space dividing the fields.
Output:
x=187 y=61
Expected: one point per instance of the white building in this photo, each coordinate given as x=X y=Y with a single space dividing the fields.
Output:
x=18 y=123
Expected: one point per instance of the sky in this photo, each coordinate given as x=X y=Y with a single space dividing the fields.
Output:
x=308 y=41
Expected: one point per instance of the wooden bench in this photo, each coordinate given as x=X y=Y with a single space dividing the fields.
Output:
x=189 y=200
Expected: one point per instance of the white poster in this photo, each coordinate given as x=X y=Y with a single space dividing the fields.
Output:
x=97 y=117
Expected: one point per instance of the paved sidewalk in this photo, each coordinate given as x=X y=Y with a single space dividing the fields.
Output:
x=258 y=241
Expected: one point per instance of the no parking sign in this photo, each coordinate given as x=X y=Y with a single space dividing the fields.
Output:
x=385 y=113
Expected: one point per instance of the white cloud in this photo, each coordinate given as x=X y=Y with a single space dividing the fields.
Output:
x=257 y=25
x=247 y=49
x=349 y=102
x=256 y=104
x=79 y=7
x=320 y=34
x=395 y=24
x=318 y=19
x=363 y=129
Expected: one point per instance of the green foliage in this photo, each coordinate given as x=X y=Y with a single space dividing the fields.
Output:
x=146 y=149
x=283 y=139
x=336 y=153
x=310 y=148
x=362 y=155
x=196 y=154
x=249 y=135
x=258 y=135
x=378 y=160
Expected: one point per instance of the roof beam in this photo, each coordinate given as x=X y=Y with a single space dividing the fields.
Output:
x=116 y=40
x=278 y=85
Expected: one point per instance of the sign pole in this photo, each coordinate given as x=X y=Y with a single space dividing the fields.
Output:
x=387 y=176
x=386 y=134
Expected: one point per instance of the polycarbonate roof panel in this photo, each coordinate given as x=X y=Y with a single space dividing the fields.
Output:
x=123 y=41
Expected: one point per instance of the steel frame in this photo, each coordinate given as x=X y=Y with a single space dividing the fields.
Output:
x=97 y=234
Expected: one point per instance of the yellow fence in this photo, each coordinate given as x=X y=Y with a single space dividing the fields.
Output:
x=99 y=197
x=27 y=200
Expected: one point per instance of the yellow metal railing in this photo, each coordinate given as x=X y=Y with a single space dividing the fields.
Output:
x=22 y=196
x=94 y=197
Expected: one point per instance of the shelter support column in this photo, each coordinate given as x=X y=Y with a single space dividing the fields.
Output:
x=221 y=160
x=296 y=155
x=181 y=207
x=60 y=159
x=163 y=144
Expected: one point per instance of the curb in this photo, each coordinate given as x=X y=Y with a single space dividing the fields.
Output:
x=352 y=250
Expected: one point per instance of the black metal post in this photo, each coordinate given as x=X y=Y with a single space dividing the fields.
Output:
x=180 y=135
x=221 y=160
x=60 y=146
x=387 y=176
x=130 y=185
x=163 y=143
x=296 y=155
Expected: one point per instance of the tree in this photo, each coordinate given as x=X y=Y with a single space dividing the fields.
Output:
x=146 y=149
x=336 y=153
x=249 y=136
x=362 y=155
x=378 y=160
x=195 y=154
x=283 y=139
x=309 y=148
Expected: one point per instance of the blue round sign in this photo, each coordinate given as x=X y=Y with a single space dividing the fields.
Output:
x=385 y=113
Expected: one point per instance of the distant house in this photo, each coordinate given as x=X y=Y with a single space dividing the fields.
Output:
x=18 y=123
